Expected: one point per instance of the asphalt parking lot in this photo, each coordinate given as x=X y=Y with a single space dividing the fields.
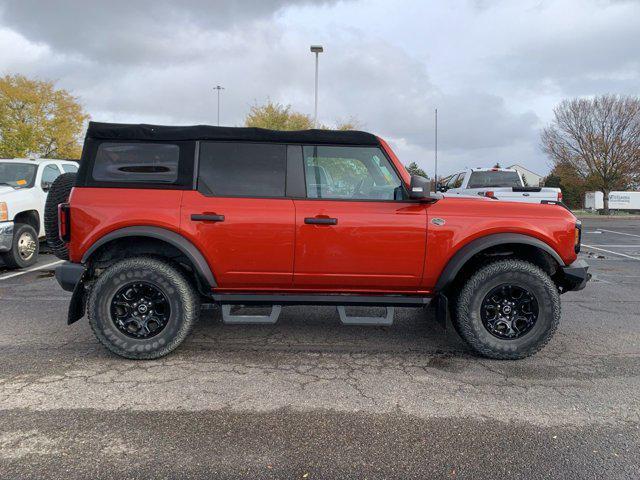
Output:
x=309 y=398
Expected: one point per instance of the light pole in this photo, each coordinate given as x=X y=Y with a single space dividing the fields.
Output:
x=317 y=49
x=435 y=174
x=218 y=88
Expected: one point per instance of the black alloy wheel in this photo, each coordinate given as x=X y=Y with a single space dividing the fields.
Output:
x=140 y=310
x=509 y=311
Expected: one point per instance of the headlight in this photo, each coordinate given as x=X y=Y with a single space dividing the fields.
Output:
x=4 y=213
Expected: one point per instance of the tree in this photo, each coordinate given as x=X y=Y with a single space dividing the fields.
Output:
x=38 y=120
x=276 y=116
x=573 y=187
x=599 y=139
x=414 y=169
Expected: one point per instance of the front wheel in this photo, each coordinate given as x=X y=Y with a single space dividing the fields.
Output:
x=508 y=309
x=142 y=308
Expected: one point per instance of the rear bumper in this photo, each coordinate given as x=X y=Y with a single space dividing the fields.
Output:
x=6 y=236
x=68 y=275
x=575 y=276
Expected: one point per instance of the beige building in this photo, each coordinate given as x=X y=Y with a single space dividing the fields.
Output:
x=532 y=179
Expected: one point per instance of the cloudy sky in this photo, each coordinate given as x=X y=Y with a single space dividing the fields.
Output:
x=494 y=69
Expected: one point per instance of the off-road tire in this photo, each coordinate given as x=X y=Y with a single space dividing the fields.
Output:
x=182 y=296
x=468 y=321
x=58 y=193
x=12 y=258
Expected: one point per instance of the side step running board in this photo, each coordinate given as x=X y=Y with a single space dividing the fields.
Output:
x=387 y=320
x=229 y=318
x=270 y=319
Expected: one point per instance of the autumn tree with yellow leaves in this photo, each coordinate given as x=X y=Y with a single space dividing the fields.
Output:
x=39 y=120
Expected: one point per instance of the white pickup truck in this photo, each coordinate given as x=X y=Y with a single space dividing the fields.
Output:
x=498 y=183
x=24 y=184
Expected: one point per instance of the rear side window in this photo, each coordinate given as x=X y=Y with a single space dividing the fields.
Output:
x=69 y=168
x=136 y=162
x=242 y=169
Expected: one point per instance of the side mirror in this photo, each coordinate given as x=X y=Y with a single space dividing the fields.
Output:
x=46 y=186
x=442 y=188
x=419 y=188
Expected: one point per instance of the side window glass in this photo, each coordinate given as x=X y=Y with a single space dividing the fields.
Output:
x=458 y=181
x=137 y=162
x=49 y=174
x=234 y=169
x=451 y=180
x=349 y=173
x=69 y=168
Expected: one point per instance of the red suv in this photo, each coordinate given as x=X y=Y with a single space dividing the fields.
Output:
x=161 y=220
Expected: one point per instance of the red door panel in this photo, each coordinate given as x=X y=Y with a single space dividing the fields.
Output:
x=251 y=248
x=359 y=246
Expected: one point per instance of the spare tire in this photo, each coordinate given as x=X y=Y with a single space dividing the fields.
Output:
x=58 y=193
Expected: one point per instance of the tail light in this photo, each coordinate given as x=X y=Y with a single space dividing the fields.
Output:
x=64 y=222
x=490 y=194
x=559 y=196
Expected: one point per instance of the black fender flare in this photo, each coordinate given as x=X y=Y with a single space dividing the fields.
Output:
x=463 y=255
x=181 y=243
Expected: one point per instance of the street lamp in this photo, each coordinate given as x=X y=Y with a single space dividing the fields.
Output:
x=316 y=49
x=218 y=88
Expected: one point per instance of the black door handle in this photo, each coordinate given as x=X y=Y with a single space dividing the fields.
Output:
x=207 y=217
x=320 y=221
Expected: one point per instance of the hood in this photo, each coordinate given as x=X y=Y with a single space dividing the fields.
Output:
x=5 y=189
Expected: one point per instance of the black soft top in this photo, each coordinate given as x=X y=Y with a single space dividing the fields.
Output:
x=123 y=131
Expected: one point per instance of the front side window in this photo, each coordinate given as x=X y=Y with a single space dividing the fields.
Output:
x=457 y=183
x=350 y=173
x=69 y=168
x=234 y=169
x=136 y=162
x=49 y=174
x=17 y=175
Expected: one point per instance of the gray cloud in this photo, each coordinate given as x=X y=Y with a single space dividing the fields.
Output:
x=140 y=31
x=595 y=52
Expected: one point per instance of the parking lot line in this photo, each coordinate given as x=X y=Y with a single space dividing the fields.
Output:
x=611 y=252
x=619 y=233
x=615 y=246
x=34 y=269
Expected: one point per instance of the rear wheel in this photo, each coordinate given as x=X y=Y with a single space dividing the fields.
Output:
x=142 y=308
x=24 y=249
x=508 y=309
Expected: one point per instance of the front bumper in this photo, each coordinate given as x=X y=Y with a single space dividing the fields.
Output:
x=68 y=275
x=575 y=276
x=6 y=236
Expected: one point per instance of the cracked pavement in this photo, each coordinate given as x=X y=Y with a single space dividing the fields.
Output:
x=309 y=396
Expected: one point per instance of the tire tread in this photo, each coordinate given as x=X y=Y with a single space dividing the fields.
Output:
x=463 y=322
x=190 y=301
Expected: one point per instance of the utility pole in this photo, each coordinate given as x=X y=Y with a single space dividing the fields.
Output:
x=317 y=49
x=435 y=174
x=218 y=88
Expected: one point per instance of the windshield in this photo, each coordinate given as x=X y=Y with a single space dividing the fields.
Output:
x=494 y=179
x=18 y=175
